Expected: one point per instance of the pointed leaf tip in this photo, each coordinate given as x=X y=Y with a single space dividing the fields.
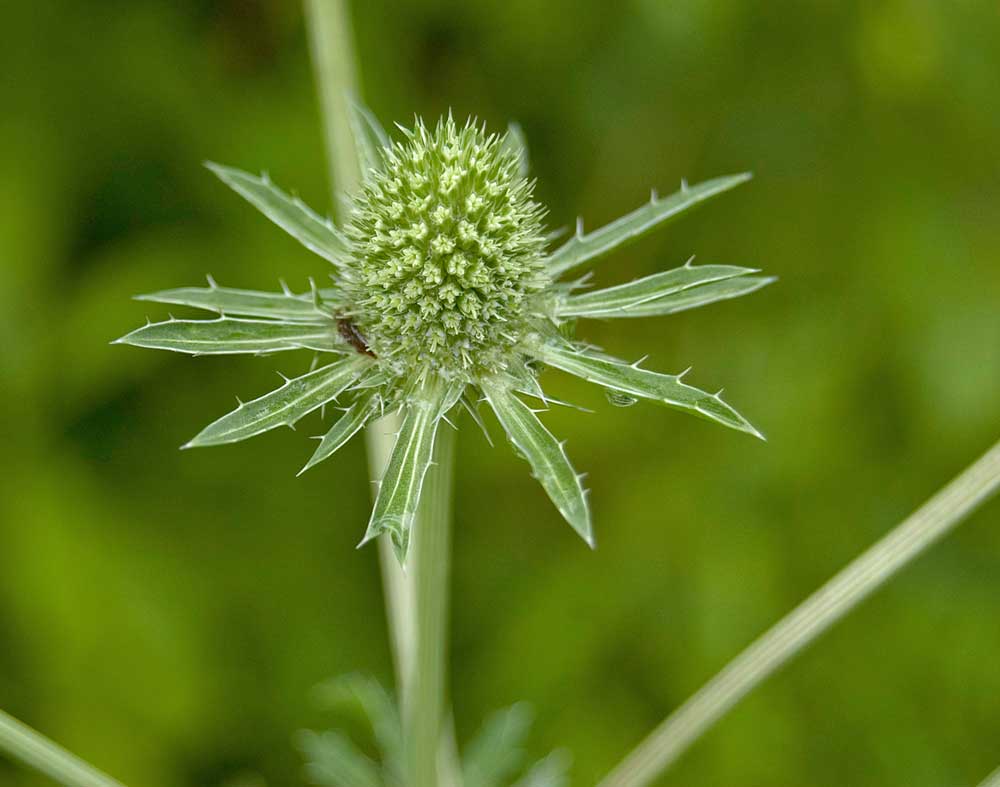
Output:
x=283 y=406
x=288 y=212
x=585 y=247
x=545 y=454
x=666 y=389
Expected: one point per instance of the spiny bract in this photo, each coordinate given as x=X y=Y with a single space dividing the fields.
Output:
x=443 y=295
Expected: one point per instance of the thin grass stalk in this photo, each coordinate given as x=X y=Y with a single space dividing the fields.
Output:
x=993 y=780
x=807 y=621
x=38 y=752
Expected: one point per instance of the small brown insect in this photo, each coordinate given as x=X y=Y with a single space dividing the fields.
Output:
x=352 y=336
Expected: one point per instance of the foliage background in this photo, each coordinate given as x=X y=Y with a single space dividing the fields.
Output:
x=167 y=614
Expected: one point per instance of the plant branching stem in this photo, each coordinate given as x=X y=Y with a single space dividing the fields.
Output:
x=38 y=752
x=807 y=621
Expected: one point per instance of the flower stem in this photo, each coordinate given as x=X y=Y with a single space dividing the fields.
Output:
x=332 y=50
x=428 y=570
x=993 y=780
x=38 y=752
x=416 y=602
x=807 y=621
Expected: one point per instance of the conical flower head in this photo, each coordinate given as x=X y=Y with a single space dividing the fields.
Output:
x=443 y=295
x=446 y=249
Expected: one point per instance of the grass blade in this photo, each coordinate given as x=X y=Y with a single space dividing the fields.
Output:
x=228 y=336
x=809 y=620
x=348 y=425
x=666 y=389
x=284 y=406
x=38 y=752
x=290 y=213
x=399 y=490
x=583 y=248
x=620 y=300
x=546 y=455
x=245 y=303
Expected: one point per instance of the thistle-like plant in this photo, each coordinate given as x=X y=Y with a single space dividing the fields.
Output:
x=443 y=294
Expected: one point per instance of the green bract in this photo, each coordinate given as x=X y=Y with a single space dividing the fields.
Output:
x=442 y=294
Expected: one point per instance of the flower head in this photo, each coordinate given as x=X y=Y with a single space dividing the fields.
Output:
x=443 y=294
x=446 y=253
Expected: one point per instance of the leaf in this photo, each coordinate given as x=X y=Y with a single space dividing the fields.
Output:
x=497 y=751
x=369 y=138
x=246 y=303
x=666 y=389
x=545 y=454
x=227 y=336
x=548 y=772
x=290 y=213
x=514 y=142
x=399 y=490
x=284 y=406
x=585 y=247
x=348 y=425
x=367 y=694
x=618 y=301
x=332 y=760
x=698 y=296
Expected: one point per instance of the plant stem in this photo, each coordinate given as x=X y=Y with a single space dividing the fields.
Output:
x=428 y=569
x=38 y=752
x=336 y=78
x=993 y=780
x=807 y=621
x=416 y=603
x=401 y=617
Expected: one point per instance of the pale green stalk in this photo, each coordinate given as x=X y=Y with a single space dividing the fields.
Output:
x=38 y=752
x=416 y=603
x=331 y=44
x=807 y=621
x=428 y=570
x=993 y=780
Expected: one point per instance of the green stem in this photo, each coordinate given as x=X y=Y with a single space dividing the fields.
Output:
x=807 y=621
x=993 y=780
x=416 y=603
x=379 y=438
x=38 y=752
x=333 y=59
x=428 y=569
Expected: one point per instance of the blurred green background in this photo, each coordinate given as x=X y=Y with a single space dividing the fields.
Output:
x=167 y=614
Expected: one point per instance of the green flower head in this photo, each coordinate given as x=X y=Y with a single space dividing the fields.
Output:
x=443 y=294
x=446 y=253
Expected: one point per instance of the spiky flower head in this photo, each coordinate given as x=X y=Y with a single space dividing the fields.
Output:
x=442 y=294
x=446 y=250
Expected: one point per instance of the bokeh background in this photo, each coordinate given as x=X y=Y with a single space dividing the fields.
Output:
x=167 y=614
